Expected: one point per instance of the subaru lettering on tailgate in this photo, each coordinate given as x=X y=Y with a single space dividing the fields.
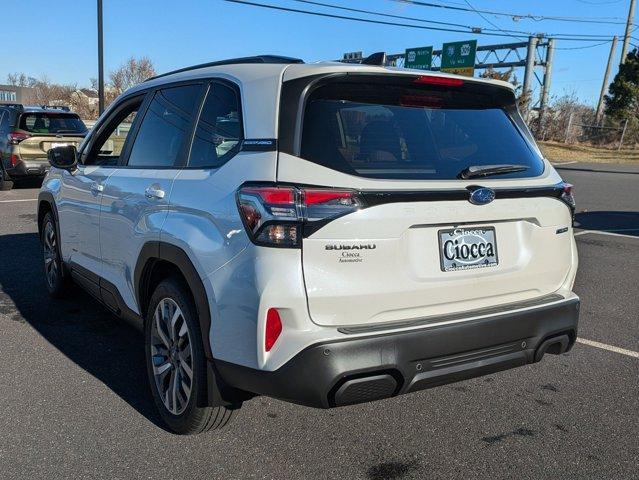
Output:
x=465 y=248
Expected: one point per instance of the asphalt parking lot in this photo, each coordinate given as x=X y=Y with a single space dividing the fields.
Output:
x=74 y=401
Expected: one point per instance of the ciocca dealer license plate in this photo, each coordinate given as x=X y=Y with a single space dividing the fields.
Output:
x=463 y=248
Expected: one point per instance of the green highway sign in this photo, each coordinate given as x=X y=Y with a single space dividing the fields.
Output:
x=459 y=57
x=419 y=58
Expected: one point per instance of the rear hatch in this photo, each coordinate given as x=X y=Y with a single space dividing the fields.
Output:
x=459 y=211
x=42 y=131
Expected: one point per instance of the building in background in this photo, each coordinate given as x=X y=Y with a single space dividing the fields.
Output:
x=14 y=94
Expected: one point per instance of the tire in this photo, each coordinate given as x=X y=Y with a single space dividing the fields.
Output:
x=5 y=183
x=54 y=276
x=172 y=348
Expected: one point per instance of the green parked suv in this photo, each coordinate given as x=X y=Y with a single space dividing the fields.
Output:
x=28 y=133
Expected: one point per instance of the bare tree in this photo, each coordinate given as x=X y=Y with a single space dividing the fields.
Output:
x=46 y=92
x=20 y=80
x=134 y=71
x=523 y=98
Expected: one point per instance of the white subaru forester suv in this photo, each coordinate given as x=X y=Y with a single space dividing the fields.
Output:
x=325 y=234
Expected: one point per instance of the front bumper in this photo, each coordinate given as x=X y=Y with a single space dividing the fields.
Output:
x=361 y=369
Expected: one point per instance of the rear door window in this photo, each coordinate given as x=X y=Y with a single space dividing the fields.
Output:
x=402 y=130
x=165 y=128
x=52 y=123
x=219 y=129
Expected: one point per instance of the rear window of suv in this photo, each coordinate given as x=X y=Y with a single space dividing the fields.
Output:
x=57 y=123
x=399 y=129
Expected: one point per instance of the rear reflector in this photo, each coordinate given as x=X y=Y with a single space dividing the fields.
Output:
x=273 y=328
x=434 y=80
x=14 y=160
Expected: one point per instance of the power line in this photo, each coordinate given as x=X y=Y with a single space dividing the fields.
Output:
x=580 y=38
x=414 y=19
x=519 y=16
x=485 y=19
x=584 y=47
x=358 y=19
x=473 y=29
x=370 y=12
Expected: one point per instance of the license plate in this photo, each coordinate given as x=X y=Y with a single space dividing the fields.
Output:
x=463 y=248
x=55 y=145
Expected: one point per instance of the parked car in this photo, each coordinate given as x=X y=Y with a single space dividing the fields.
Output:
x=326 y=234
x=27 y=133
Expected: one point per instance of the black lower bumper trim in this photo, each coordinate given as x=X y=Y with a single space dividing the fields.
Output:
x=29 y=169
x=361 y=369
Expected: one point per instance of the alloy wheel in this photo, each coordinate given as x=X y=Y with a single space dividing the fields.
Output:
x=171 y=356
x=50 y=249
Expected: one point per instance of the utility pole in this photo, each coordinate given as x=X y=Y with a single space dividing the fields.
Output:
x=545 y=88
x=100 y=61
x=604 y=85
x=531 y=54
x=626 y=37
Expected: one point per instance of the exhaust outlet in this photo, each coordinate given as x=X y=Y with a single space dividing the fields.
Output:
x=554 y=345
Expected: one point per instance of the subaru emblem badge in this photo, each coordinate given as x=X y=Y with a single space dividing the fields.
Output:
x=481 y=196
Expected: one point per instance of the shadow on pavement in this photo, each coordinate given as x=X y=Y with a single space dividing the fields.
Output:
x=27 y=183
x=108 y=348
x=605 y=221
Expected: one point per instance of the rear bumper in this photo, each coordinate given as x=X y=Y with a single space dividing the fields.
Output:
x=28 y=168
x=361 y=369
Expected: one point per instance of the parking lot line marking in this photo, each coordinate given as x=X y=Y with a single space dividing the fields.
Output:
x=20 y=200
x=610 y=348
x=613 y=234
x=564 y=163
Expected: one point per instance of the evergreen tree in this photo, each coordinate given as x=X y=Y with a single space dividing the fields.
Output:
x=622 y=102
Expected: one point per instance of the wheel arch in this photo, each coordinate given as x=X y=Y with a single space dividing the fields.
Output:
x=46 y=203
x=169 y=258
x=158 y=260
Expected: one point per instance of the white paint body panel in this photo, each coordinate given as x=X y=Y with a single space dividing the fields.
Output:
x=399 y=280
x=79 y=215
x=128 y=220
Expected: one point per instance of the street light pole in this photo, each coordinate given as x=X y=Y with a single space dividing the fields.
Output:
x=100 y=61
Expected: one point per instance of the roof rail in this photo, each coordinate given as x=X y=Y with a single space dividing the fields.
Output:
x=234 y=61
x=17 y=106
x=55 y=107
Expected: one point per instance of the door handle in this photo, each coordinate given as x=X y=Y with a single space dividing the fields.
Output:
x=152 y=192
x=97 y=187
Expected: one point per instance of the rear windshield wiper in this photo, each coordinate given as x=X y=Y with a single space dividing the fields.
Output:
x=475 y=171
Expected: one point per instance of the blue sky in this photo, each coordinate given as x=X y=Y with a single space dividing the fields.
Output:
x=61 y=43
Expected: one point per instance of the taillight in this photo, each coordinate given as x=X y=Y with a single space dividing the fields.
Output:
x=17 y=137
x=435 y=80
x=274 y=215
x=567 y=194
x=273 y=328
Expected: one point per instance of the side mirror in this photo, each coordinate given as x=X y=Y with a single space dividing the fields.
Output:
x=65 y=157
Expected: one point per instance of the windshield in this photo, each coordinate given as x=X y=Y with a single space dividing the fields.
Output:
x=408 y=131
x=46 y=122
